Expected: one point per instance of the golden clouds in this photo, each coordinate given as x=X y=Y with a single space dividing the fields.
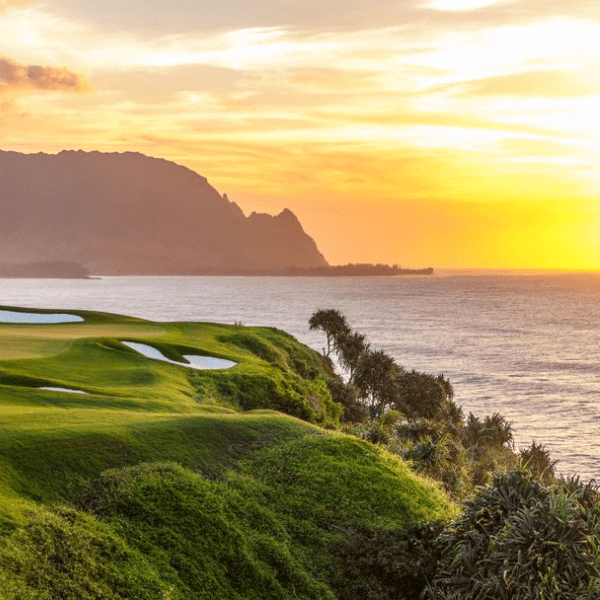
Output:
x=35 y=77
x=447 y=123
x=6 y=4
x=548 y=84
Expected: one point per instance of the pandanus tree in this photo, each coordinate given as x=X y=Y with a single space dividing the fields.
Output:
x=333 y=323
x=350 y=348
x=376 y=380
x=428 y=396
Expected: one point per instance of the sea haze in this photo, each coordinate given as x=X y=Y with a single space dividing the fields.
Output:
x=523 y=344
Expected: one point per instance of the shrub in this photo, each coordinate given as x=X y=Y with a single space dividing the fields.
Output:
x=422 y=394
x=536 y=459
x=432 y=450
x=493 y=432
x=393 y=564
x=391 y=418
x=520 y=540
x=489 y=443
x=345 y=394
x=419 y=429
x=63 y=554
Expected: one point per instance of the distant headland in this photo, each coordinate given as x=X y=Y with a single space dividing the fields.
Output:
x=45 y=270
x=130 y=214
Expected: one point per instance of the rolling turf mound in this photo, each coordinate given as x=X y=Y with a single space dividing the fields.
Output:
x=133 y=477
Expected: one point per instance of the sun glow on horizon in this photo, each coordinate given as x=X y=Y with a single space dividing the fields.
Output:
x=387 y=135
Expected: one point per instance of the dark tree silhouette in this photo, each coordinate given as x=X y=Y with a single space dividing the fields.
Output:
x=376 y=381
x=350 y=348
x=424 y=395
x=345 y=393
x=333 y=323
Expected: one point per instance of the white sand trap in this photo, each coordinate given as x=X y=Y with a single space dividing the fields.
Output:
x=59 y=389
x=194 y=361
x=9 y=316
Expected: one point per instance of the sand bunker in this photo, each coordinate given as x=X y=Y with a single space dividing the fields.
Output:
x=59 y=389
x=194 y=361
x=9 y=316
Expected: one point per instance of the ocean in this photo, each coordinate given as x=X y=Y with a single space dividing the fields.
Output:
x=523 y=344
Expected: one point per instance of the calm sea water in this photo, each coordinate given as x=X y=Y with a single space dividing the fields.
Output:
x=524 y=345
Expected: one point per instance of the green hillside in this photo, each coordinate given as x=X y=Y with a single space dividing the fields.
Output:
x=161 y=481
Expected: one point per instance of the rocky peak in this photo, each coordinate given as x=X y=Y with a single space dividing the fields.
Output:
x=125 y=214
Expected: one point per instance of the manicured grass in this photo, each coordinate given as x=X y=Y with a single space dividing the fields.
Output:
x=189 y=478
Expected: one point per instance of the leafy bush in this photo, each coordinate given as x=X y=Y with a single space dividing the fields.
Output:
x=62 y=554
x=444 y=460
x=520 y=540
x=206 y=539
x=489 y=442
x=393 y=565
x=435 y=448
x=422 y=394
x=373 y=431
x=491 y=432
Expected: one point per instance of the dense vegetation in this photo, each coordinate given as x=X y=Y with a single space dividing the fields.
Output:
x=276 y=479
x=523 y=533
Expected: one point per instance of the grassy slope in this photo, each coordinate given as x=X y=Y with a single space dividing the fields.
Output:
x=174 y=492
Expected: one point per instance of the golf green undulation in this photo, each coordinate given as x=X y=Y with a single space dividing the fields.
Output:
x=167 y=482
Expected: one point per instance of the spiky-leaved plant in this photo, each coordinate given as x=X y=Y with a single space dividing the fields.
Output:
x=520 y=540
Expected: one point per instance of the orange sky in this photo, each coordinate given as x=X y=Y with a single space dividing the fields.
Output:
x=444 y=133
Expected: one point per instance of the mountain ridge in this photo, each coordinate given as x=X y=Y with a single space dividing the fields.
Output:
x=131 y=214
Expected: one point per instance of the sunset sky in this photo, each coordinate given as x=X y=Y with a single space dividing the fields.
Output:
x=443 y=133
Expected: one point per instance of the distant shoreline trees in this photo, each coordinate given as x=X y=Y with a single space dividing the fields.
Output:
x=358 y=270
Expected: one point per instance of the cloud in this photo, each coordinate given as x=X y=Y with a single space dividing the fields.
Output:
x=548 y=84
x=6 y=4
x=14 y=76
x=462 y=5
